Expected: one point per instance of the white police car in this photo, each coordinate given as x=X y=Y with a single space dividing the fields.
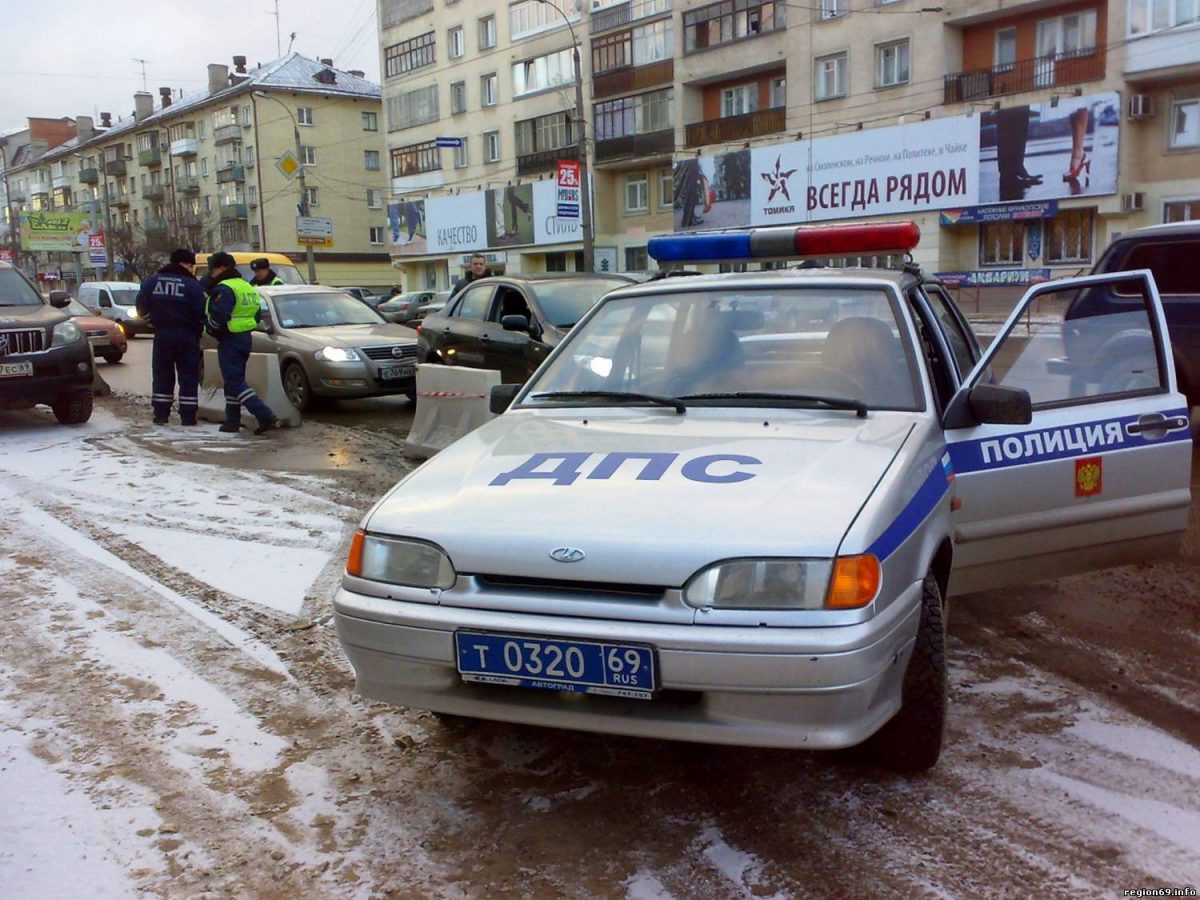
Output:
x=728 y=508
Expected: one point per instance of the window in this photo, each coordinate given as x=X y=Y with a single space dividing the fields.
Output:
x=1071 y=35
x=829 y=79
x=1006 y=48
x=543 y=72
x=636 y=191
x=531 y=16
x=311 y=196
x=458 y=98
x=636 y=259
x=487 y=89
x=550 y=132
x=415 y=159
x=1069 y=236
x=491 y=147
x=720 y=23
x=204 y=167
x=371 y=160
x=406 y=56
x=456 y=45
x=1146 y=16
x=666 y=189
x=370 y=121
x=252 y=193
x=739 y=100
x=376 y=234
x=201 y=127
x=556 y=262
x=891 y=63
x=833 y=9
x=777 y=93
x=413 y=108
x=304 y=115
x=642 y=114
x=475 y=302
x=460 y=155
x=247 y=115
x=1001 y=243
x=308 y=155
x=1182 y=210
x=1185 y=124
x=374 y=198
x=487 y=32
x=653 y=42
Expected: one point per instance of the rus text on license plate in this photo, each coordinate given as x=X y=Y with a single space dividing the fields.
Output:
x=590 y=667
x=390 y=373
x=13 y=369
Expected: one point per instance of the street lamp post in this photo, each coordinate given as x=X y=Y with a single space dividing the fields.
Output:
x=303 y=206
x=585 y=201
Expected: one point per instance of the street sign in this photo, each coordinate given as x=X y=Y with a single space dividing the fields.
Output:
x=288 y=165
x=96 y=254
x=568 y=189
x=317 y=229
x=454 y=142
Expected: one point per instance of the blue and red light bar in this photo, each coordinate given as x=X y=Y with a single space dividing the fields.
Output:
x=786 y=242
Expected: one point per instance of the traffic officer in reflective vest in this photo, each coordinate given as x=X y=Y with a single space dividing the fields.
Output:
x=263 y=273
x=173 y=302
x=232 y=314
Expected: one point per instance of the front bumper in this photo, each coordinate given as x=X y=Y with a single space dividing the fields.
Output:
x=813 y=688
x=357 y=379
x=58 y=371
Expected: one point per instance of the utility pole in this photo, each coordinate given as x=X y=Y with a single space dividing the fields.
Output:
x=14 y=225
x=302 y=206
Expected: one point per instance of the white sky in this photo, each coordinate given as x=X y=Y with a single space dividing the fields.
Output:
x=72 y=57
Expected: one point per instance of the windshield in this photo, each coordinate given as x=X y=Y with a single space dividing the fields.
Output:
x=16 y=291
x=289 y=273
x=755 y=347
x=124 y=295
x=75 y=308
x=565 y=302
x=319 y=310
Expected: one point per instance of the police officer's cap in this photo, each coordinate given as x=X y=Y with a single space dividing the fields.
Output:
x=183 y=255
x=222 y=260
x=260 y=263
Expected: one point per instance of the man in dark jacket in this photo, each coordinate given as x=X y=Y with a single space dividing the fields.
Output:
x=173 y=302
x=232 y=313
x=478 y=270
x=263 y=273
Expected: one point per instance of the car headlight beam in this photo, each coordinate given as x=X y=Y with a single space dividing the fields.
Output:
x=399 y=561
x=335 y=354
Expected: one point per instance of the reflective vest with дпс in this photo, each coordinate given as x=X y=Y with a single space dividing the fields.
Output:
x=245 y=306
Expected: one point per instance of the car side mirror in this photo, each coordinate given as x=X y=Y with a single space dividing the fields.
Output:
x=265 y=326
x=502 y=396
x=514 y=323
x=989 y=404
x=60 y=299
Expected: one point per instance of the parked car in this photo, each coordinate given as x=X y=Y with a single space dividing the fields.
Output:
x=105 y=336
x=331 y=345
x=280 y=264
x=44 y=354
x=370 y=296
x=116 y=301
x=402 y=308
x=510 y=322
x=722 y=529
x=434 y=306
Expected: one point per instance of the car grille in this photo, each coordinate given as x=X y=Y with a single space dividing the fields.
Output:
x=97 y=332
x=26 y=340
x=392 y=352
x=557 y=585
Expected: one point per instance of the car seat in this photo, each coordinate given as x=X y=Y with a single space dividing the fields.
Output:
x=705 y=356
x=867 y=351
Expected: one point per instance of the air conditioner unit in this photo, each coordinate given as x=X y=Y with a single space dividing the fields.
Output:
x=1133 y=202
x=1141 y=106
x=597 y=4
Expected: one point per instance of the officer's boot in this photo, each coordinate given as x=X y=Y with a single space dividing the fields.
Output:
x=233 y=419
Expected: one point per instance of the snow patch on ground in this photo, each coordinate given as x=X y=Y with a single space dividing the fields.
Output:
x=645 y=885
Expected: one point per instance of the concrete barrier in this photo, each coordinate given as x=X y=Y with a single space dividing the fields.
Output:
x=451 y=401
x=262 y=374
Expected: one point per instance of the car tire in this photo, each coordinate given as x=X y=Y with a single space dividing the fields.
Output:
x=113 y=358
x=73 y=408
x=912 y=740
x=296 y=386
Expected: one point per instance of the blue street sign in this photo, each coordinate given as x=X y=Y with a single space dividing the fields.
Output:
x=568 y=210
x=449 y=142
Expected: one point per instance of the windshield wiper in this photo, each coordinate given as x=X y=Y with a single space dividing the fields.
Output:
x=791 y=399
x=674 y=402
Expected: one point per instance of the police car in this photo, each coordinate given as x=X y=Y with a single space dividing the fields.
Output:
x=730 y=508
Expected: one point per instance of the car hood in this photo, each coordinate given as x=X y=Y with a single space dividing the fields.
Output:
x=721 y=484
x=95 y=323
x=354 y=335
x=31 y=316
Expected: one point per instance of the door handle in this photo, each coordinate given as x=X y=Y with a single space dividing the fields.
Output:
x=1156 y=424
x=484 y=339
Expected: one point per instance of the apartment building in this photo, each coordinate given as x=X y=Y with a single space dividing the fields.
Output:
x=202 y=170
x=1021 y=136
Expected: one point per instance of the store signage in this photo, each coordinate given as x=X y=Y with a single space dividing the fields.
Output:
x=993 y=278
x=1005 y=212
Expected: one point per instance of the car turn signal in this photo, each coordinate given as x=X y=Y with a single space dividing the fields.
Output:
x=355 y=557
x=855 y=582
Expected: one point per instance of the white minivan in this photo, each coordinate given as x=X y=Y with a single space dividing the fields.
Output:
x=116 y=300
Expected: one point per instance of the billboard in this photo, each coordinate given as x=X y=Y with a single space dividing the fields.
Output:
x=1031 y=153
x=55 y=230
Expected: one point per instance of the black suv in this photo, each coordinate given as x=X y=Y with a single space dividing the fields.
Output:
x=44 y=356
x=510 y=322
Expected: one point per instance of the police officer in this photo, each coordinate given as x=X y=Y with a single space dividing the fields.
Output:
x=263 y=273
x=173 y=302
x=232 y=313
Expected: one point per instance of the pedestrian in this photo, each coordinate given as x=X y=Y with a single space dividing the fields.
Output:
x=173 y=302
x=232 y=312
x=263 y=273
x=479 y=269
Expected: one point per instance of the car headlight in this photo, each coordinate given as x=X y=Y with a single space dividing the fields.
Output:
x=846 y=583
x=132 y=313
x=336 y=354
x=397 y=561
x=66 y=333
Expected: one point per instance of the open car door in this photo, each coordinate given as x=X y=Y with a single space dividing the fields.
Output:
x=1099 y=475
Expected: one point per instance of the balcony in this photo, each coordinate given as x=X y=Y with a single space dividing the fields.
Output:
x=188 y=146
x=17 y=194
x=544 y=160
x=155 y=225
x=187 y=184
x=1171 y=53
x=118 y=198
x=1025 y=75
x=737 y=128
x=39 y=189
x=150 y=158
x=89 y=175
x=635 y=146
x=230 y=172
x=233 y=211
x=115 y=167
x=60 y=182
x=153 y=192
x=633 y=78
x=227 y=133
x=623 y=13
x=191 y=220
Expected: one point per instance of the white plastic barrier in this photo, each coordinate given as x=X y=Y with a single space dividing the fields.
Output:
x=262 y=374
x=451 y=401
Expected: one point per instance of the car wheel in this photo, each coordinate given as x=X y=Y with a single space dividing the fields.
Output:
x=112 y=358
x=295 y=385
x=74 y=408
x=912 y=740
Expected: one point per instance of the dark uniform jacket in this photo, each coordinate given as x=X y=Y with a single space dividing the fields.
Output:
x=267 y=279
x=172 y=300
